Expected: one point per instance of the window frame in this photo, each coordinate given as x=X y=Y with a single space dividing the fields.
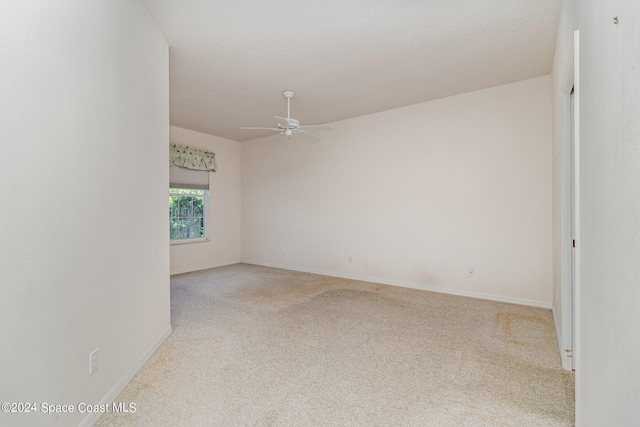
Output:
x=205 y=218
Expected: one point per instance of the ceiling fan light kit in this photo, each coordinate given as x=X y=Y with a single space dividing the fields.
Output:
x=292 y=126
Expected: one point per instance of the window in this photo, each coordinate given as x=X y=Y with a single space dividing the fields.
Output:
x=187 y=214
x=188 y=204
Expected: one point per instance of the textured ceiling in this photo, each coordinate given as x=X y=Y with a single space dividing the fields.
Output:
x=230 y=60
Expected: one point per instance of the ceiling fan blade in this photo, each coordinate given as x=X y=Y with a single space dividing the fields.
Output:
x=252 y=128
x=317 y=127
x=292 y=122
x=313 y=137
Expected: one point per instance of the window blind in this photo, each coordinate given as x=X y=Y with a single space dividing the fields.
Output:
x=188 y=178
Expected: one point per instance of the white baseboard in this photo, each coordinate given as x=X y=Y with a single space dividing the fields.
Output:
x=180 y=270
x=93 y=418
x=421 y=287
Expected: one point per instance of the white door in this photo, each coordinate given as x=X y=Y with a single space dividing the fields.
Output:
x=569 y=342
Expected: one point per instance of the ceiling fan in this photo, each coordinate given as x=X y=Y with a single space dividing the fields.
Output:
x=292 y=126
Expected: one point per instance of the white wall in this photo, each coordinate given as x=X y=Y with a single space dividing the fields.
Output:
x=84 y=252
x=223 y=246
x=608 y=371
x=415 y=195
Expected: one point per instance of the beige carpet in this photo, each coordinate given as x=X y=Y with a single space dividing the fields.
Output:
x=257 y=346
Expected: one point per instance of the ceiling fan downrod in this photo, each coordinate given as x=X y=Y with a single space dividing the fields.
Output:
x=288 y=94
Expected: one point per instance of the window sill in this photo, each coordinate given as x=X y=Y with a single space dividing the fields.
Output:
x=187 y=241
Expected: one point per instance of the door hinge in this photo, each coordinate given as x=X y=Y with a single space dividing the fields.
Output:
x=574 y=243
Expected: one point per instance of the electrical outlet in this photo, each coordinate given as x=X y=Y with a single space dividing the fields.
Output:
x=93 y=361
x=350 y=260
x=472 y=272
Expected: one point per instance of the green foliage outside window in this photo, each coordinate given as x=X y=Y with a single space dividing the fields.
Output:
x=186 y=213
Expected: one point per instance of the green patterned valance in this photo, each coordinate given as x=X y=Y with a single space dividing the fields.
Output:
x=191 y=158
